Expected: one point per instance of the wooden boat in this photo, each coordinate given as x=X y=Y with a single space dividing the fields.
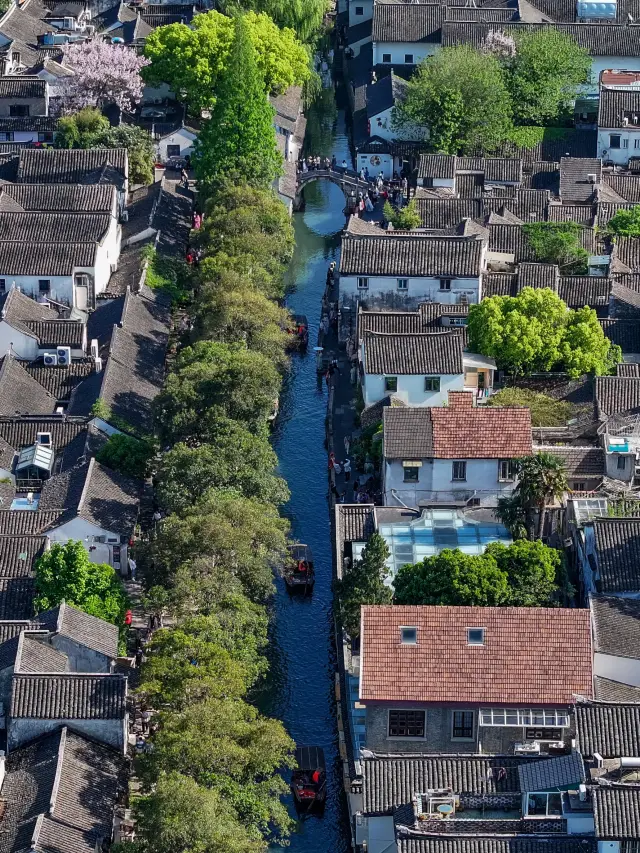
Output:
x=301 y=331
x=299 y=574
x=309 y=779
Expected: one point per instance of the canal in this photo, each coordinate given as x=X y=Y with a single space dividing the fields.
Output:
x=301 y=690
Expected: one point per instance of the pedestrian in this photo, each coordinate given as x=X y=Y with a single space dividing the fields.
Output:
x=344 y=166
x=335 y=492
x=343 y=495
x=132 y=568
x=405 y=186
x=146 y=719
x=347 y=444
x=356 y=487
x=347 y=470
x=325 y=324
x=128 y=618
x=184 y=179
x=362 y=174
x=337 y=467
x=335 y=367
x=332 y=460
x=334 y=162
x=139 y=657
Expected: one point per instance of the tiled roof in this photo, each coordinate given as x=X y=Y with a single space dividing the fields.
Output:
x=616 y=812
x=36 y=124
x=35 y=655
x=392 y=781
x=20 y=394
x=26 y=522
x=497 y=844
x=627 y=250
x=625 y=333
x=616 y=625
x=581 y=213
x=626 y=186
x=389 y=322
x=51 y=836
x=20 y=311
x=580 y=290
x=616 y=104
x=385 y=93
x=574 y=181
x=18 y=555
x=499 y=169
x=607 y=210
x=470 y=184
x=70 y=198
x=552 y=774
x=617 y=394
x=625 y=296
x=579 y=461
x=510 y=668
x=22 y=87
x=447 y=212
x=407 y=22
x=626 y=369
x=611 y=730
x=10 y=631
x=16 y=597
x=543 y=175
x=69 y=696
x=436 y=353
x=436 y=166
x=499 y=284
x=45 y=259
x=60 y=227
x=484 y=13
x=60 y=381
x=614 y=691
x=617 y=544
x=82 y=628
x=356 y=522
x=457 y=431
x=538 y=275
x=68 y=436
x=73 y=166
x=416 y=256
x=512 y=239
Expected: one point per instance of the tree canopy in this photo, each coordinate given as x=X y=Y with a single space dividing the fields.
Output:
x=403 y=218
x=459 y=94
x=545 y=410
x=545 y=74
x=519 y=575
x=103 y=73
x=558 y=243
x=363 y=583
x=65 y=572
x=625 y=223
x=126 y=454
x=535 y=331
x=193 y=59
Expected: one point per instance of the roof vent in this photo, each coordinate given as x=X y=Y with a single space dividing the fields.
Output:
x=408 y=635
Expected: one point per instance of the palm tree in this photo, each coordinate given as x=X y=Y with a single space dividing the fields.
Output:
x=542 y=478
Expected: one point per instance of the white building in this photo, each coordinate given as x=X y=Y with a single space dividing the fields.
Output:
x=29 y=329
x=619 y=117
x=456 y=453
x=616 y=639
x=176 y=143
x=405 y=33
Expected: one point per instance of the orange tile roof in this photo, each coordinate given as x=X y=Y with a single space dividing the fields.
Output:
x=462 y=431
x=530 y=655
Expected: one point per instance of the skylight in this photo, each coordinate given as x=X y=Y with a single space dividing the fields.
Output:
x=408 y=636
x=475 y=636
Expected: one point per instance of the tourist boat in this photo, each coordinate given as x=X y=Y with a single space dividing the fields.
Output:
x=300 y=332
x=309 y=779
x=299 y=574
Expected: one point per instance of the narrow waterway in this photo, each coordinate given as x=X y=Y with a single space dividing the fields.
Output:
x=301 y=689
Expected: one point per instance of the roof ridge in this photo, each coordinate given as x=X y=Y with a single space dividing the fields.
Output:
x=59 y=762
x=85 y=486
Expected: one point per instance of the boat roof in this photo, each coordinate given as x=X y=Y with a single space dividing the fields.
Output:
x=310 y=757
x=298 y=551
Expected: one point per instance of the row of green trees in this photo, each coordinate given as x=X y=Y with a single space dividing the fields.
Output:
x=210 y=780
x=524 y=574
x=472 y=99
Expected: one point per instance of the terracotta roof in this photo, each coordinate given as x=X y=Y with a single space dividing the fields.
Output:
x=457 y=431
x=530 y=655
x=429 y=353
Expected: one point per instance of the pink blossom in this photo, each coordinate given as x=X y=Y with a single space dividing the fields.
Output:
x=499 y=44
x=104 y=73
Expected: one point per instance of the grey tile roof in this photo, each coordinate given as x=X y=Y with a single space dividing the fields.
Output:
x=614 y=691
x=82 y=628
x=385 y=93
x=389 y=322
x=617 y=394
x=408 y=433
x=470 y=184
x=39 y=124
x=582 y=213
x=580 y=290
x=60 y=381
x=36 y=655
x=10 y=631
x=484 y=13
x=21 y=311
x=626 y=186
x=356 y=522
x=580 y=461
x=574 y=183
x=51 y=836
x=406 y=22
x=45 y=259
x=627 y=250
x=67 y=433
x=16 y=597
x=26 y=522
x=54 y=333
x=625 y=333
x=69 y=198
x=20 y=394
x=447 y=212
x=389 y=782
x=610 y=729
x=607 y=210
x=499 y=284
x=418 y=256
x=617 y=545
x=22 y=87
x=542 y=175
x=616 y=812
x=552 y=774
x=625 y=295
x=69 y=696
x=537 y=275
x=431 y=353
x=18 y=555
x=60 y=227
x=499 y=169
x=496 y=844
x=615 y=105
x=73 y=166
x=437 y=166
x=616 y=625
x=627 y=369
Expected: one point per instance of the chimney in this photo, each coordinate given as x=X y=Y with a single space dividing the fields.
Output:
x=461 y=400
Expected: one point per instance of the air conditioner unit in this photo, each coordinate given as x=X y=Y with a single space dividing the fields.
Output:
x=98 y=364
x=95 y=349
x=50 y=359
x=64 y=356
x=592 y=178
x=527 y=748
x=101 y=539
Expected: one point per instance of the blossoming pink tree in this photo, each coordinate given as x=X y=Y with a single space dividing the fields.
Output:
x=499 y=44
x=104 y=73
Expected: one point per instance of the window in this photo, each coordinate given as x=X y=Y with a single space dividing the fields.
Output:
x=403 y=284
x=19 y=110
x=44 y=285
x=579 y=487
x=614 y=140
x=625 y=143
x=81 y=279
x=622 y=463
x=406 y=723
x=15 y=57
x=427 y=182
x=445 y=284
x=363 y=284
x=390 y=383
x=3 y=285
x=45 y=137
x=408 y=59
x=506 y=470
x=462 y=728
x=459 y=471
x=544 y=805
x=411 y=473
x=173 y=151
x=359 y=10
x=408 y=635
x=475 y=636
x=431 y=383
x=523 y=717
x=636 y=143
x=386 y=57
x=6 y=137
x=457 y=321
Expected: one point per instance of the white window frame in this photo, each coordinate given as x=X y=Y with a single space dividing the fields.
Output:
x=404 y=628
x=363 y=283
x=636 y=143
x=546 y=794
x=473 y=725
x=403 y=284
x=553 y=718
x=471 y=642
x=510 y=476
x=386 y=382
x=457 y=321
